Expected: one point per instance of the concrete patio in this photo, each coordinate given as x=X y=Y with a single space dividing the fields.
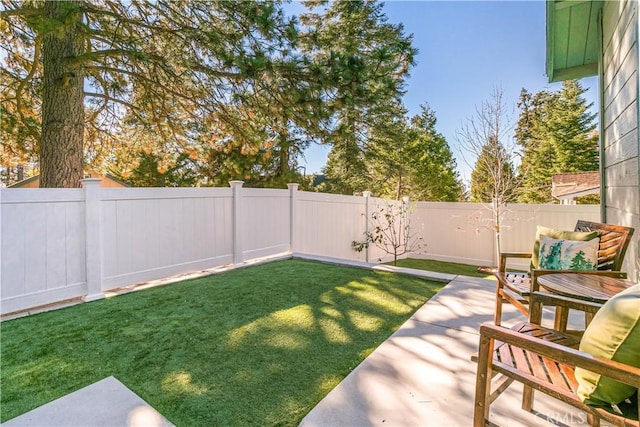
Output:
x=423 y=376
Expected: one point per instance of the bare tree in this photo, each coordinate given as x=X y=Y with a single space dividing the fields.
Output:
x=392 y=230
x=488 y=138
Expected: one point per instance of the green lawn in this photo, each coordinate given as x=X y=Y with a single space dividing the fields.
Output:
x=443 y=267
x=255 y=346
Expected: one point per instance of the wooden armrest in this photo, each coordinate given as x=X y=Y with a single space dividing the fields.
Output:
x=515 y=254
x=618 y=371
x=505 y=255
x=550 y=299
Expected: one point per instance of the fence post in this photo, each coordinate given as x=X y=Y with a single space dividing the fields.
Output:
x=367 y=197
x=293 y=193
x=406 y=225
x=93 y=238
x=236 y=224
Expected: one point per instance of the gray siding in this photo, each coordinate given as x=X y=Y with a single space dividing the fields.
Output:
x=620 y=122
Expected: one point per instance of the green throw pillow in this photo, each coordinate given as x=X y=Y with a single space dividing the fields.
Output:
x=614 y=334
x=558 y=254
x=557 y=234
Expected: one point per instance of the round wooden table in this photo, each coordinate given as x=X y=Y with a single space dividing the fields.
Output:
x=587 y=287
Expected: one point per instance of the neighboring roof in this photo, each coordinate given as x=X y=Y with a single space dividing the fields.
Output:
x=117 y=180
x=91 y=174
x=572 y=38
x=24 y=182
x=570 y=185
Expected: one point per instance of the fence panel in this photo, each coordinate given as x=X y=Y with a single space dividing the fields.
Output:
x=326 y=224
x=520 y=224
x=150 y=233
x=42 y=247
x=463 y=232
x=454 y=232
x=265 y=222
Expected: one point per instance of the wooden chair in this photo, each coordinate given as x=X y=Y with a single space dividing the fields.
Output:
x=544 y=360
x=516 y=288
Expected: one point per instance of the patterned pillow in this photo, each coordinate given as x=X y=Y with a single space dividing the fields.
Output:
x=556 y=254
x=557 y=234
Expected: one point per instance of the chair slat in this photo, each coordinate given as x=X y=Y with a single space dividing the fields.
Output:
x=557 y=374
x=538 y=368
x=520 y=358
x=504 y=355
x=570 y=377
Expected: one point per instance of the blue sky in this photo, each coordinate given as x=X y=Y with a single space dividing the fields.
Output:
x=466 y=49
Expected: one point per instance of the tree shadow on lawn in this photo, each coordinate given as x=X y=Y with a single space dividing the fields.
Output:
x=260 y=345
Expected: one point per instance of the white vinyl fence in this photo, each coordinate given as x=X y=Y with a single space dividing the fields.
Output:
x=59 y=244
x=463 y=232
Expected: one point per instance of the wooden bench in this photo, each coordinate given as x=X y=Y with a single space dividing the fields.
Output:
x=516 y=288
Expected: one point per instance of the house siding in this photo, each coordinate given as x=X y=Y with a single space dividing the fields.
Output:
x=620 y=82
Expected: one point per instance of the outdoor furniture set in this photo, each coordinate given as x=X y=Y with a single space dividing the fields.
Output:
x=596 y=370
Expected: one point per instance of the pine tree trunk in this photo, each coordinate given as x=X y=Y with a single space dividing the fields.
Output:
x=284 y=156
x=61 y=155
x=399 y=187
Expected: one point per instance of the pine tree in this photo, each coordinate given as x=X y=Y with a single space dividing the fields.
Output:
x=492 y=177
x=557 y=134
x=154 y=171
x=370 y=58
x=433 y=174
x=387 y=157
x=83 y=67
x=412 y=159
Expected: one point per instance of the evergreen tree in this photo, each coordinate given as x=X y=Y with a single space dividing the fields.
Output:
x=167 y=65
x=433 y=174
x=388 y=158
x=557 y=134
x=154 y=171
x=493 y=175
x=19 y=131
x=370 y=58
x=412 y=159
